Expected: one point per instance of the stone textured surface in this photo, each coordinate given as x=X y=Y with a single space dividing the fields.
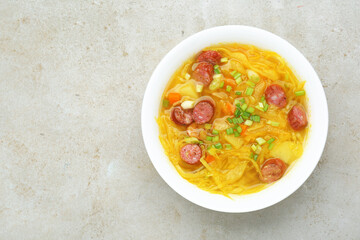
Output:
x=72 y=160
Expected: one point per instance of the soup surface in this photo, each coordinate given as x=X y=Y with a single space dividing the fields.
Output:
x=233 y=119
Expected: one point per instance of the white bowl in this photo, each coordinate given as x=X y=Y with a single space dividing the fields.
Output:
x=318 y=118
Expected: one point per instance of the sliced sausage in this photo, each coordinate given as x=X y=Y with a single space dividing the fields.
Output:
x=203 y=112
x=181 y=116
x=191 y=153
x=272 y=170
x=297 y=117
x=275 y=95
x=204 y=73
x=210 y=56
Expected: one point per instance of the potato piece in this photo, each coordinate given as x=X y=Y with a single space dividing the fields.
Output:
x=188 y=89
x=287 y=151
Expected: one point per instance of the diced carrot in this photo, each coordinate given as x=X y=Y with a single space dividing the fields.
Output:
x=230 y=108
x=230 y=82
x=243 y=127
x=174 y=97
x=209 y=158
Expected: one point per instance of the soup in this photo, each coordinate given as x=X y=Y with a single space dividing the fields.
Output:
x=233 y=119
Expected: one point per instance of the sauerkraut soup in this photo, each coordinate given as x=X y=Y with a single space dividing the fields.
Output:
x=233 y=119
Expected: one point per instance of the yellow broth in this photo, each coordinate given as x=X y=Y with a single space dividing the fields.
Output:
x=234 y=171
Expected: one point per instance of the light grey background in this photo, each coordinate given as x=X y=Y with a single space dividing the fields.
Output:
x=72 y=160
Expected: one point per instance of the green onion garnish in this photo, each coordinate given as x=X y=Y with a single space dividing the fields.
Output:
x=187 y=76
x=216 y=66
x=240 y=120
x=222 y=84
x=253 y=147
x=251 y=84
x=166 y=103
x=250 y=110
x=249 y=91
x=233 y=73
x=236 y=133
x=207 y=126
x=236 y=102
x=237 y=93
x=237 y=112
x=271 y=146
x=217 y=71
x=266 y=106
x=262 y=98
x=246 y=115
x=260 y=141
x=255 y=118
x=215 y=132
x=229 y=131
x=237 y=75
x=229 y=120
x=244 y=106
x=216 y=139
x=248 y=123
x=208 y=138
x=228 y=146
x=228 y=88
x=260 y=108
x=234 y=120
x=256 y=157
x=224 y=60
x=251 y=155
x=300 y=93
x=270 y=140
x=242 y=100
x=218 y=146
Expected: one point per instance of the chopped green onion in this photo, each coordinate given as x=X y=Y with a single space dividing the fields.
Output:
x=236 y=101
x=237 y=112
x=201 y=142
x=246 y=115
x=218 y=146
x=228 y=88
x=274 y=124
x=224 y=60
x=261 y=105
x=260 y=141
x=242 y=100
x=300 y=93
x=215 y=132
x=199 y=88
x=216 y=139
x=208 y=138
x=217 y=71
x=237 y=93
x=228 y=146
x=216 y=82
x=251 y=155
x=191 y=140
x=236 y=133
x=258 y=149
x=251 y=84
x=255 y=118
x=249 y=91
x=262 y=98
x=233 y=73
x=256 y=157
x=250 y=110
x=270 y=140
x=253 y=147
x=222 y=84
x=234 y=120
x=229 y=120
x=271 y=146
x=266 y=106
x=216 y=66
x=207 y=126
x=253 y=76
x=237 y=75
x=166 y=103
x=239 y=129
x=187 y=76
x=248 y=123
x=240 y=120
x=259 y=108
x=229 y=131
x=244 y=106
x=238 y=80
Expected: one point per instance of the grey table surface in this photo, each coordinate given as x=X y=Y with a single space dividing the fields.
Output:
x=72 y=159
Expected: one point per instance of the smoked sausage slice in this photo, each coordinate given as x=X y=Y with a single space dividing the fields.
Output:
x=275 y=95
x=191 y=153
